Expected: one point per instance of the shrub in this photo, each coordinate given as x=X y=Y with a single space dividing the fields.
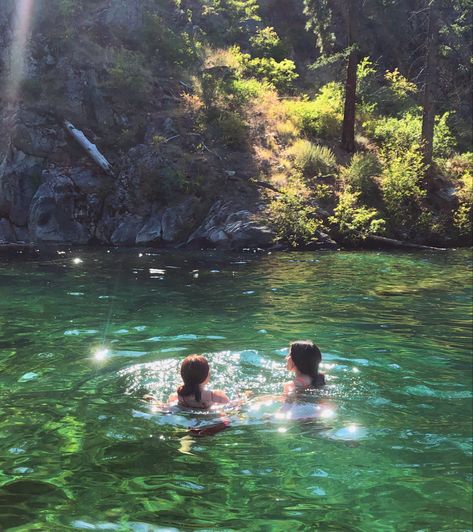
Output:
x=353 y=220
x=400 y=85
x=321 y=117
x=244 y=90
x=157 y=39
x=279 y=74
x=463 y=216
x=359 y=175
x=266 y=43
x=406 y=131
x=313 y=160
x=128 y=77
x=401 y=178
x=293 y=218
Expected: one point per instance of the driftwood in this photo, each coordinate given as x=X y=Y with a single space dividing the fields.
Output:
x=393 y=243
x=91 y=149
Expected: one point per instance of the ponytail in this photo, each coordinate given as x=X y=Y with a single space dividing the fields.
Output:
x=190 y=389
x=194 y=371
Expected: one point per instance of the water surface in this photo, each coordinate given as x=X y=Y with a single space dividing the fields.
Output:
x=84 y=334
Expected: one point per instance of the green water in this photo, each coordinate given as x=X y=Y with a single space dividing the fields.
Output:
x=82 y=340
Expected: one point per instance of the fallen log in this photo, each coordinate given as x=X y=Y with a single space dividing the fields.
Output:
x=392 y=242
x=91 y=149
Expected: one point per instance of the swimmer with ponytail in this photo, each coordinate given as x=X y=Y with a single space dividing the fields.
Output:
x=195 y=373
x=304 y=359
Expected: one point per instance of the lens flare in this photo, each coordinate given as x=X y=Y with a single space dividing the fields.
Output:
x=101 y=354
x=17 y=54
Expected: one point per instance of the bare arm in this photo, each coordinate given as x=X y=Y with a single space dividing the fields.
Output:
x=218 y=396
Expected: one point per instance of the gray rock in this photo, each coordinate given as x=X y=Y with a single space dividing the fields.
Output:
x=127 y=230
x=124 y=16
x=20 y=176
x=22 y=234
x=51 y=216
x=86 y=180
x=228 y=227
x=178 y=221
x=7 y=234
x=152 y=231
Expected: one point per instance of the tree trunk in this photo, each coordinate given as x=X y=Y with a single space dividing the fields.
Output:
x=430 y=88
x=348 y=133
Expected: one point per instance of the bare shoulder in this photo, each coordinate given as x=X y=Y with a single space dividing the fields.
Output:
x=219 y=396
x=172 y=398
x=288 y=387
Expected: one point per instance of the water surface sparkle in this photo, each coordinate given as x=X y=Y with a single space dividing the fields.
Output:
x=386 y=442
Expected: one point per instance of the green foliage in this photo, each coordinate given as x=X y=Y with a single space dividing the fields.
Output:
x=359 y=176
x=353 y=220
x=463 y=216
x=279 y=74
x=404 y=132
x=401 y=184
x=321 y=117
x=129 y=78
x=173 y=48
x=399 y=84
x=227 y=17
x=244 y=90
x=293 y=218
x=313 y=160
x=266 y=43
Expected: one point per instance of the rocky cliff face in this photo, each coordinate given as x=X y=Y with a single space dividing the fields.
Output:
x=51 y=191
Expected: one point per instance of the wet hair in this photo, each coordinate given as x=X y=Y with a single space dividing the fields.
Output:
x=194 y=371
x=306 y=357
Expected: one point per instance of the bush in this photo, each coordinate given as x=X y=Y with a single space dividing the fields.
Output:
x=244 y=90
x=401 y=179
x=166 y=45
x=353 y=220
x=279 y=74
x=321 y=117
x=457 y=166
x=313 y=160
x=266 y=43
x=292 y=217
x=402 y=133
x=359 y=175
x=129 y=78
x=463 y=216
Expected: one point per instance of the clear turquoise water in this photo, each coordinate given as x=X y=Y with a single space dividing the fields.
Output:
x=81 y=342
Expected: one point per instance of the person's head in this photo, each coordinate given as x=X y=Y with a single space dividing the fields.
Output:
x=304 y=356
x=194 y=372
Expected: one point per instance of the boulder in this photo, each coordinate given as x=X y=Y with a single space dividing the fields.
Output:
x=123 y=16
x=7 y=234
x=178 y=221
x=229 y=227
x=20 y=176
x=152 y=231
x=127 y=230
x=51 y=217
